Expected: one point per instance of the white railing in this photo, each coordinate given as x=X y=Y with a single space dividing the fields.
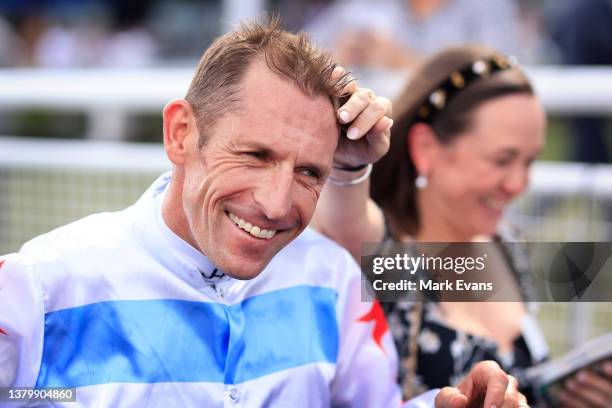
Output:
x=108 y=97
x=59 y=154
x=547 y=178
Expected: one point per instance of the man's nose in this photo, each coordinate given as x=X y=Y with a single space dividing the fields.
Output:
x=274 y=193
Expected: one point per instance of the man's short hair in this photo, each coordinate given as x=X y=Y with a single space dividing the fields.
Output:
x=215 y=88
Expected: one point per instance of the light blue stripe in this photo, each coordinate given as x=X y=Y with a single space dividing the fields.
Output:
x=149 y=341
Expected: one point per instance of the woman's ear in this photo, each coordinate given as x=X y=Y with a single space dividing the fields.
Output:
x=180 y=130
x=423 y=147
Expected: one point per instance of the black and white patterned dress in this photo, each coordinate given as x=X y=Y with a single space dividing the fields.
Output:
x=444 y=354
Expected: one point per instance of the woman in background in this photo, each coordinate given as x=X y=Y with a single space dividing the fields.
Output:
x=467 y=129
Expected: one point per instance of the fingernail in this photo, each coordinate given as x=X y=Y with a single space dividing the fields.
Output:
x=344 y=116
x=493 y=406
x=353 y=133
x=390 y=123
x=582 y=376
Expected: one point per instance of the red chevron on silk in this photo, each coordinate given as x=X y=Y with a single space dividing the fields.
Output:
x=377 y=316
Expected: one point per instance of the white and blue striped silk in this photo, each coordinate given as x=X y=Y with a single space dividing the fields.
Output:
x=115 y=306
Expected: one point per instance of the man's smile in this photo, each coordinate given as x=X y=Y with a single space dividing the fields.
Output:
x=254 y=230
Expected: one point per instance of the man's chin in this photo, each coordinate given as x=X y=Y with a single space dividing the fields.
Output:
x=242 y=275
x=245 y=270
x=248 y=261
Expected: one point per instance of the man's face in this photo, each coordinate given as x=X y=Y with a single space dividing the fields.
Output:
x=254 y=185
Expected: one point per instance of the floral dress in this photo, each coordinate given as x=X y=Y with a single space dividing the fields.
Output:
x=444 y=354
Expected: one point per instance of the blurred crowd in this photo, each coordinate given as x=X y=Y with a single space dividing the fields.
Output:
x=105 y=33
x=387 y=34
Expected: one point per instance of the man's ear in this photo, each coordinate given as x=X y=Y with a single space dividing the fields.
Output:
x=423 y=147
x=180 y=130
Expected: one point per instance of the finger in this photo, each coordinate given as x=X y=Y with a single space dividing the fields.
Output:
x=356 y=104
x=588 y=379
x=570 y=400
x=488 y=380
x=450 y=397
x=512 y=396
x=369 y=117
x=378 y=143
x=496 y=388
x=587 y=393
x=523 y=403
x=378 y=138
x=382 y=127
x=351 y=86
x=338 y=72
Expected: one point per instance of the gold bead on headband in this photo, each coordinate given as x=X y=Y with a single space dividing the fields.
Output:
x=457 y=79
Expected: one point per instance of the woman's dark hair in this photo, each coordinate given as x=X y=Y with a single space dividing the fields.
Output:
x=393 y=176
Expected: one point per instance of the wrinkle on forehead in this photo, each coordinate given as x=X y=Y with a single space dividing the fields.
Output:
x=273 y=98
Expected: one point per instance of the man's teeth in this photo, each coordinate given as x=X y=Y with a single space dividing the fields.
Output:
x=494 y=204
x=254 y=230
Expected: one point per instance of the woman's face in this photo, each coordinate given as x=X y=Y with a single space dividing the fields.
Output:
x=474 y=177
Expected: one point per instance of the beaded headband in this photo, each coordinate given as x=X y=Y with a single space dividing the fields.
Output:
x=459 y=79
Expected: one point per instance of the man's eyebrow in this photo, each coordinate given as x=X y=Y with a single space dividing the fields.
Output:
x=252 y=144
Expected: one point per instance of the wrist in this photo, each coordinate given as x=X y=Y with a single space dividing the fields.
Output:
x=343 y=177
x=344 y=167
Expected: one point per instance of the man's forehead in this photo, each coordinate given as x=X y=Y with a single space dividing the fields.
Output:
x=261 y=84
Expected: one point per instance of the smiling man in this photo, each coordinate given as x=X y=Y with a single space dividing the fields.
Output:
x=253 y=185
x=208 y=291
